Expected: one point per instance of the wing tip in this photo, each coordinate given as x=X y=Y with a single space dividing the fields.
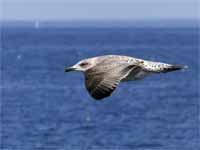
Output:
x=174 y=68
x=178 y=67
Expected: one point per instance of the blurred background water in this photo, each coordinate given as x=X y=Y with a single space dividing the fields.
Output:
x=42 y=107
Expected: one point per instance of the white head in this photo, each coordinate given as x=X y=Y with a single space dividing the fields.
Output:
x=82 y=65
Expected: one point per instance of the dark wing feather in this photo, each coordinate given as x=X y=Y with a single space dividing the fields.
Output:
x=101 y=82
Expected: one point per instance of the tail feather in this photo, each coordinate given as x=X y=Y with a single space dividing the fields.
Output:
x=158 y=67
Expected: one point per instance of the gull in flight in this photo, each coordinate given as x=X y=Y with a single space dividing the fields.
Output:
x=104 y=73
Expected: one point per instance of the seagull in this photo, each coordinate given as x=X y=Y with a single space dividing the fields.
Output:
x=104 y=73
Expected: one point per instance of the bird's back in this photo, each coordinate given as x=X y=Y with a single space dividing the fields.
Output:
x=140 y=67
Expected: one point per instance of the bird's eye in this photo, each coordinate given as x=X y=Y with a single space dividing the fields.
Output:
x=83 y=64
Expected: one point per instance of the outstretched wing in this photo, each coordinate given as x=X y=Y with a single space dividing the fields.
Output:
x=102 y=80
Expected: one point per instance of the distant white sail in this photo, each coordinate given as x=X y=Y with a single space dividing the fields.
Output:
x=37 y=24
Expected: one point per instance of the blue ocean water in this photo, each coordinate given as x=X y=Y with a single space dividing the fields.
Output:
x=44 y=108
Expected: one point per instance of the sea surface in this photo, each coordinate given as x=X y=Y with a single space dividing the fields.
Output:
x=44 y=108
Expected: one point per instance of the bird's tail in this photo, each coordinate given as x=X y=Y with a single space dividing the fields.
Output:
x=158 y=67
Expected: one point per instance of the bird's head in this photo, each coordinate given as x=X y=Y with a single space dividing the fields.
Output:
x=82 y=65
